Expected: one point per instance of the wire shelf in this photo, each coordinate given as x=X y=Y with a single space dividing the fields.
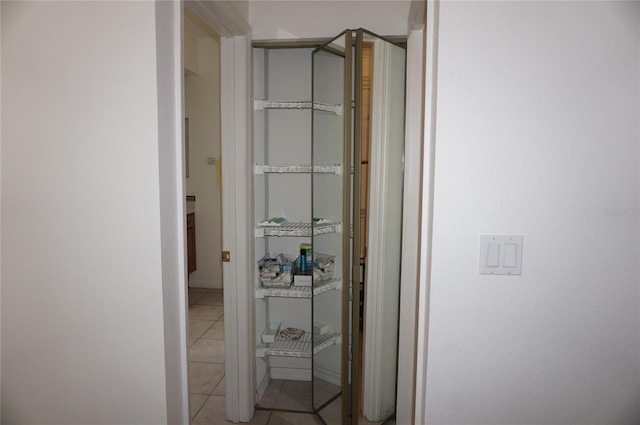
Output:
x=300 y=348
x=298 y=229
x=260 y=105
x=299 y=291
x=300 y=169
x=322 y=342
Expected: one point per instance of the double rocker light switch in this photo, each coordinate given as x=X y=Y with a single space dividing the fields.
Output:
x=501 y=254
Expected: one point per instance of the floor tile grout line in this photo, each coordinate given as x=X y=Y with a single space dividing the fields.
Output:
x=223 y=362
x=214 y=388
x=206 y=330
x=196 y=300
x=209 y=328
x=194 y=416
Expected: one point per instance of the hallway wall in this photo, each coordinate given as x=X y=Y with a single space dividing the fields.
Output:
x=538 y=134
x=82 y=302
x=324 y=19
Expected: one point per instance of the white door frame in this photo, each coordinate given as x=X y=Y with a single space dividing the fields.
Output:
x=430 y=55
x=235 y=90
x=170 y=75
x=237 y=220
x=410 y=237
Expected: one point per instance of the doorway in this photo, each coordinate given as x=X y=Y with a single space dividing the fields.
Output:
x=203 y=184
x=238 y=226
x=323 y=312
x=203 y=177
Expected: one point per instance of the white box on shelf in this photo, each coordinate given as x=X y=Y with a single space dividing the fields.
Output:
x=302 y=280
x=320 y=328
x=269 y=334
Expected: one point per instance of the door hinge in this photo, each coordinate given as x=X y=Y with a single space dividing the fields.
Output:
x=226 y=256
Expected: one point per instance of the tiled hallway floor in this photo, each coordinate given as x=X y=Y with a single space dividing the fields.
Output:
x=206 y=356
x=206 y=372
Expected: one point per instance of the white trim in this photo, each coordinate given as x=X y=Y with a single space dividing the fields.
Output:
x=290 y=374
x=170 y=74
x=410 y=224
x=426 y=220
x=0 y=216
x=237 y=218
x=417 y=14
x=227 y=154
x=244 y=230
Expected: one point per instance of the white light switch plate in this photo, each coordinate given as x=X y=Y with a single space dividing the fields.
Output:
x=501 y=254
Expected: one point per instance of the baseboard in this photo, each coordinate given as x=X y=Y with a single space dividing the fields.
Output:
x=290 y=374
x=204 y=284
x=327 y=375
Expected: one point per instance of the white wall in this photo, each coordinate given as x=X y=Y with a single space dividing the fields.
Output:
x=82 y=306
x=320 y=19
x=191 y=54
x=240 y=8
x=538 y=135
x=202 y=107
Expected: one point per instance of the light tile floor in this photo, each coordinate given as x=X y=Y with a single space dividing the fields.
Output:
x=206 y=373
x=206 y=356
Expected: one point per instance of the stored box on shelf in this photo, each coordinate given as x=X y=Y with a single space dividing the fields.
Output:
x=320 y=328
x=323 y=266
x=276 y=271
x=302 y=279
x=269 y=334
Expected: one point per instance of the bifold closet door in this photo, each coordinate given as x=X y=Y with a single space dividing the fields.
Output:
x=338 y=129
x=384 y=234
x=331 y=193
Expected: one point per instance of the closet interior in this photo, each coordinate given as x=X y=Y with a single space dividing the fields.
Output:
x=325 y=130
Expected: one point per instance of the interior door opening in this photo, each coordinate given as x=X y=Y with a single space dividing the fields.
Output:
x=308 y=327
x=203 y=184
x=203 y=166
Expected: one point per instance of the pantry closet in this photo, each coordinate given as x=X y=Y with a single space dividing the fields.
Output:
x=308 y=178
